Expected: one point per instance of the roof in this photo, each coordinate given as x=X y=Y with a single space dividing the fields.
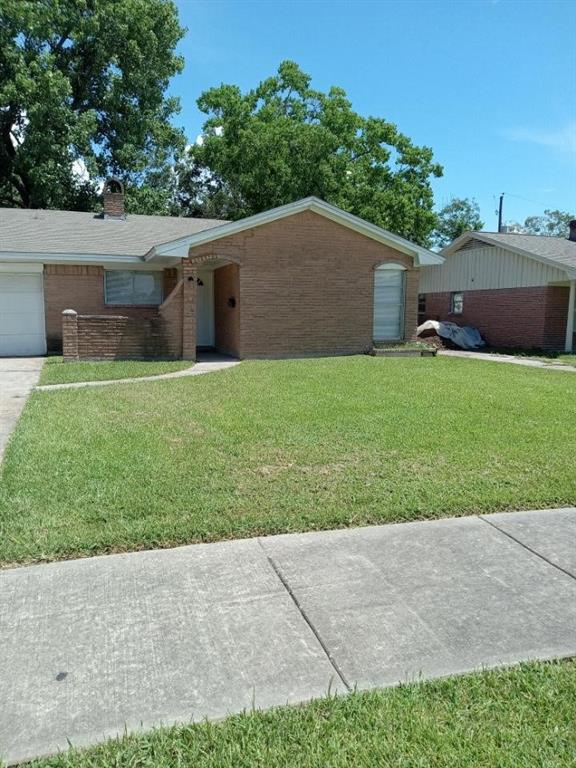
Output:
x=422 y=256
x=72 y=236
x=70 y=232
x=556 y=251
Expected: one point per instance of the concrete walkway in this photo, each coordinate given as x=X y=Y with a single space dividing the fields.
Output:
x=92 y=646
x=514 y=359
x=18 y=375
x=205 y=364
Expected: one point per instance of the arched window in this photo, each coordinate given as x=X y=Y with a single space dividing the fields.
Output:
x=389 y=290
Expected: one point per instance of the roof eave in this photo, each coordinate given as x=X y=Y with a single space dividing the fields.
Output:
x=70 y=258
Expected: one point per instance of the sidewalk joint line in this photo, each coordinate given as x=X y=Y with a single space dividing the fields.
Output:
x=529 y=549
x=304 y=615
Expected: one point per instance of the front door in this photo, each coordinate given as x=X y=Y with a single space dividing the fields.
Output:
x=205 y=309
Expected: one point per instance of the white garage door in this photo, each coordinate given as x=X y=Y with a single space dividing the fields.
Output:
x=21 y=314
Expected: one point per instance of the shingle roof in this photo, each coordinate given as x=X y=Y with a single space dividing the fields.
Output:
x=557 y=249
x=50 y=232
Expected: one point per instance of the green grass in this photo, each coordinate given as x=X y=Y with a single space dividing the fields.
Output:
x=512 y=718
x=294 y=445
x=55 y=371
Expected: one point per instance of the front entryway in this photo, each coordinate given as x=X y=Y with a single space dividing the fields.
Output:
x=205 y=336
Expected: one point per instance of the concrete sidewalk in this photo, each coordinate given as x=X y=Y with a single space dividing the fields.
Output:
x=18 y=376
x=207 y=363
x=490 y=357
x=92 y=646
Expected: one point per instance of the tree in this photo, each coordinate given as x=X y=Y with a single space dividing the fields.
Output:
x=283 y=141
x=461 y=214
x=82 y=87
x=554 y=223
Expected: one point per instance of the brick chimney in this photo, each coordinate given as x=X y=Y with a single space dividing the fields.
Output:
x=572 y=235
x=113 y=199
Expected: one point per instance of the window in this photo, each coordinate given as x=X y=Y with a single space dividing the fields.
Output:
x=132 y=287
x=421 y=303
x=457 y=303
x=389 y=302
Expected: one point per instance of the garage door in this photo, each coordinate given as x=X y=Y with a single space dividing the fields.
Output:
x=21 y=314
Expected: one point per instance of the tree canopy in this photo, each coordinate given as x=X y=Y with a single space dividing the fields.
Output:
x=283 y=141
x=461 y=214
x=554 y=223
x=83 y=95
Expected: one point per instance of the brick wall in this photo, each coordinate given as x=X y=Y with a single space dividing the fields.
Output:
x=227 y=317
x=110 y=337
x=82 y=288
x=510 y=317
x=307 y=286
x=171 y=313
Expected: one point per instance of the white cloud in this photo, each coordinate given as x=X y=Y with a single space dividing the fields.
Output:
x=80 y=171
x=563 y=139
x=218 y=131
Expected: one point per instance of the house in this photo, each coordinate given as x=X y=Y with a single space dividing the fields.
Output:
x=303 y=279
x=518 y=290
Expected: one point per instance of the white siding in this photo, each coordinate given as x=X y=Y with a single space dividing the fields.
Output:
x=487 y=267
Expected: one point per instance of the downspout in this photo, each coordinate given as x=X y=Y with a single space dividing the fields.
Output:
x=570 y=319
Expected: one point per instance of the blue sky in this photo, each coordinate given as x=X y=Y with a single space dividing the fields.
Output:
x=490 y=85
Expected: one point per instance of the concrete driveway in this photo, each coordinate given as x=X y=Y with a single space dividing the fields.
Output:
x=92 y=646
x=18 y=376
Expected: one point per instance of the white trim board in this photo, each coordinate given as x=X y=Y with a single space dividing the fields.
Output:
x=19 y=268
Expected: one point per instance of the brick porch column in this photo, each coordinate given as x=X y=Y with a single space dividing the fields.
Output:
x=188 y=310
x=69 y=335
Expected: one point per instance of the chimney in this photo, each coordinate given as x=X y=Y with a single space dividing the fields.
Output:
x=113 y=199
x=572 y=235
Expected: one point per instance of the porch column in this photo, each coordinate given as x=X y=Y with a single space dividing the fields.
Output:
x=188 y=310
x=570 y=319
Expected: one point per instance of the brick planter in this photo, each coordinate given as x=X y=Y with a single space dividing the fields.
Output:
x=403 y=352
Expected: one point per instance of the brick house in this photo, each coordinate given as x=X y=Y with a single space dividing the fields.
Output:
x=518 y=290
x=303 y=279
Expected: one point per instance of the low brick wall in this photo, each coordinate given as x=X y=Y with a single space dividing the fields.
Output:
x=116 y=337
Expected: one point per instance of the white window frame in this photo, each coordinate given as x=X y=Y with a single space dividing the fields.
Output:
x=133 y=273
x=392 y=265
x=454 y=302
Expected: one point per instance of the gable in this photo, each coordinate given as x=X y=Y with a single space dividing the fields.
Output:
x=180 y=248
x=298 y=239
x=483 y=266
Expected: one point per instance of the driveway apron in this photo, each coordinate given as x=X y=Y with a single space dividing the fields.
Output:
x=18 y=376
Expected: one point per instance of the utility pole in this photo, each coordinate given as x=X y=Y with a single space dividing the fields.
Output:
x=500 y=205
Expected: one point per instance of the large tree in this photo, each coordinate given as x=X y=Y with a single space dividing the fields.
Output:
x=83 y=95
x=553 y=223
x=460 y=214
x=283 y=141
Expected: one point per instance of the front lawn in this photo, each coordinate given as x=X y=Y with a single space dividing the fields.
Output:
x=54 y=371
x=511 y=718
x=294 y=445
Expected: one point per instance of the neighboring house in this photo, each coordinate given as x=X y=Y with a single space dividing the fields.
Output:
x=303 y=279
x=518 y=290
